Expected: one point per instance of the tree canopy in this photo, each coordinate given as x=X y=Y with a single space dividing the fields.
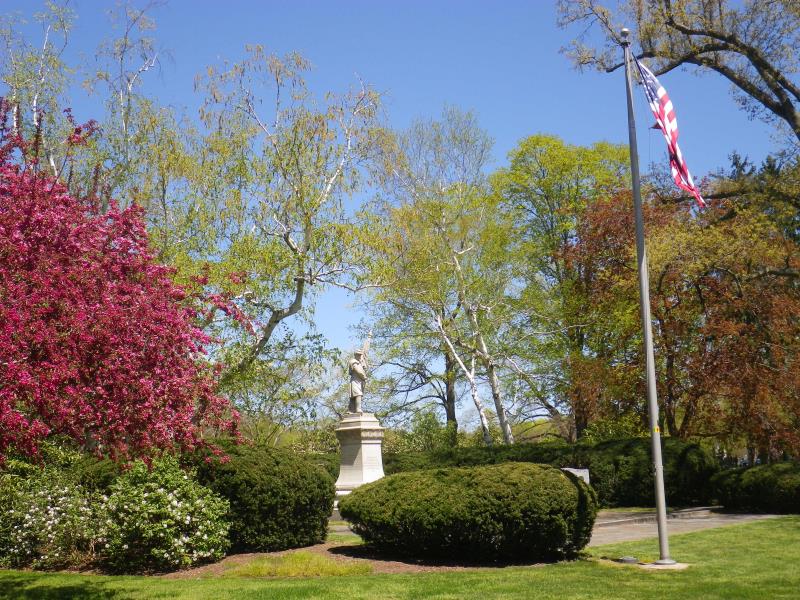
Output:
x=96 y=342
x=752 y=44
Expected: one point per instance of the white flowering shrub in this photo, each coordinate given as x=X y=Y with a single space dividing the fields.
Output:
x=50 y=523
x=162 y=519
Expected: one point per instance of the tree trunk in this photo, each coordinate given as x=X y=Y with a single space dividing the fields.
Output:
x=670 y=400
x=581 y=416
x=450 y=367
x=473 y=388
x=494 y=382
x=470 y=375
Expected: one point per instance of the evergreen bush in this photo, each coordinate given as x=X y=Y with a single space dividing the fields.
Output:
x=620 y=470
x=329 y=462
x=95 y=474
x=278 y=500
x=773 y=488
x=512 y=511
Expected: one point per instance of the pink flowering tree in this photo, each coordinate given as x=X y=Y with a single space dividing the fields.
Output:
x=96 y=341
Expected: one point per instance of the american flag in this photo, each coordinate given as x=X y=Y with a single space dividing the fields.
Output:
x=664 y=113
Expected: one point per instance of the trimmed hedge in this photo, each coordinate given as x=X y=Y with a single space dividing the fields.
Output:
x=512 y=511
x=278 y=500
x=771 y=488
x=620 y=470
x=329 y=462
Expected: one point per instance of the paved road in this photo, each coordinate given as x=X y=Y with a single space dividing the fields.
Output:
x=612 y=528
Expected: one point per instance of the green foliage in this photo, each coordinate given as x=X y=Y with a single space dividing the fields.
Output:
x=278 y=500
x=328 y=462
x=427 y=434
x=161 y=518
x=318 y=437
x=620 y=470
x=546 y=192
x=95 y=474
x=555 y=453
x=48 y=521
x=497 y=512
x=8 y=490
x=771 y=488
x=626 y=425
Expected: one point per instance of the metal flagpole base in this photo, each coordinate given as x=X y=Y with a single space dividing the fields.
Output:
x=665 y=562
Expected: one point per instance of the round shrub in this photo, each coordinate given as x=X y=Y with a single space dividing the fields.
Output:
x=49 y=522
x=512 y=511
x=278 y=500
x=621 y=471
x=162 y=519
x=771 y=488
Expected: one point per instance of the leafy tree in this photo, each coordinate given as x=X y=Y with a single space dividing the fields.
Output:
x=724 y=299
x=247 y=208
x=435 y=244
x=723 y=295
x=36 y=79
x=547 y=189
x=282 y=181
x=752 y=44
x=95 y=340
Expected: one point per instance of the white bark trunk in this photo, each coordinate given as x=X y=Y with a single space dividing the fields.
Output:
x=473 y=386
x=494 y=381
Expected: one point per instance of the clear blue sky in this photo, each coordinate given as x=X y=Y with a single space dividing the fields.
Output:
x=500 y=59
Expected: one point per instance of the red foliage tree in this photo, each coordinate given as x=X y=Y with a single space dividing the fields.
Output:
x=725 y=304
x=95 y=340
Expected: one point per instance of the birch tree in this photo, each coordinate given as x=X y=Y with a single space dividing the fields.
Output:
x=288 y=162
x=435 y=250
x=36 y=78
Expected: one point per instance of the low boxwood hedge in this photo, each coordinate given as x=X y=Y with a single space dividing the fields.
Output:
x=512 y=511
x=773 y=488
x=620 y=470
x=278 y=500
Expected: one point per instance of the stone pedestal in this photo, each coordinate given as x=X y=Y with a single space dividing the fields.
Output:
x=582 y=473
x=361 y=438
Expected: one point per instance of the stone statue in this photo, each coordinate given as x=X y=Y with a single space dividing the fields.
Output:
x=357 y=366
x=359 y=433
x=358 y=377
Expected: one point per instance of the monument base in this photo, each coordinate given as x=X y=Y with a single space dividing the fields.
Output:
x=361 y=439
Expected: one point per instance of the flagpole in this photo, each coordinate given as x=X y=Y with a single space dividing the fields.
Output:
x=644 y=299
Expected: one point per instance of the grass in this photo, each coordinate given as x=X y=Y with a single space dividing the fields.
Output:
x=344 y=538
x=297 y=564
x=751 y=561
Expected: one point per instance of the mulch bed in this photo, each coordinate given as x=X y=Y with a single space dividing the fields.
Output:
x=346 y=553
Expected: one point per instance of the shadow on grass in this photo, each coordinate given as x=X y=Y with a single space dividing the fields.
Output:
x=35 y=587
x=367 y=552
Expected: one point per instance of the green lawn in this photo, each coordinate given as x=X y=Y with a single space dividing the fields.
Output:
x=756 y=560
